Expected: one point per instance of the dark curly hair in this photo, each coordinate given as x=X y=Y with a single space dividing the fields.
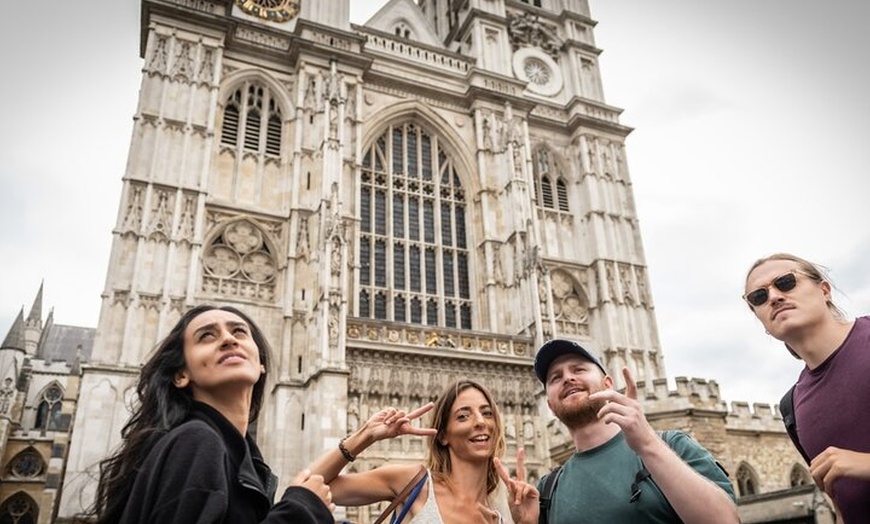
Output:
x=159 y=407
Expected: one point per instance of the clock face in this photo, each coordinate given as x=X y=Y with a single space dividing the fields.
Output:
x=272 y=10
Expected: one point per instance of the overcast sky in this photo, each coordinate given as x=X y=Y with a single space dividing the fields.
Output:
x=751 y=136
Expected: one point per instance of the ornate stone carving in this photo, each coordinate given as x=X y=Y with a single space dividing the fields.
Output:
x=309 y=101
x=497 y=270
x=186 y=224
x=205 y=74
x=642 y=291
x=121 y=297
x=611 y=283
x=396 y=376
x=238 y=262
x=303 y=243
x=528 y=30
x=333 y=82
x=512 y=133
x=570 y=304
x=160 y=55
x=149 y=301
x=133 y=213
x=332 y=327
x=7 y=392
x=160 y=223
x=625 y=283
x=487 y=130
x=262 y=39
x=350 y=106
x=182 y=62
x=592 y=154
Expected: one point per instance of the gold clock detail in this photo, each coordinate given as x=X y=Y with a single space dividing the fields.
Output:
x=272 y=10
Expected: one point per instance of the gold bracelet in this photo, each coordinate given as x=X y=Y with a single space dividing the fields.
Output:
x=347 y=454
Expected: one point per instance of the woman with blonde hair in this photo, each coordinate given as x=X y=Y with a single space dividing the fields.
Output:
x=463 y=485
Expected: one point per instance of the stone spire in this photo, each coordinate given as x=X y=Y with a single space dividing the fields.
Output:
x=34 y=319
x=15 y=338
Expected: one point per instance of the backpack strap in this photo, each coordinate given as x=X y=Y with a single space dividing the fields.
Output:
x=546 y=495
x=786 y=408
x=643 y=473
x=418 y=479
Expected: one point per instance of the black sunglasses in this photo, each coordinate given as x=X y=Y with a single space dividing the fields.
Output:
x=783 y=283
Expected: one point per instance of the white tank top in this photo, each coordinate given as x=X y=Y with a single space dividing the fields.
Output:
x=429 y=513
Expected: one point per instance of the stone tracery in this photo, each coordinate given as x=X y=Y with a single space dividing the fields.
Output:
x=239 y=262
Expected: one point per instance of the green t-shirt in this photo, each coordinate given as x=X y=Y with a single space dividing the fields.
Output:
x=595 y=485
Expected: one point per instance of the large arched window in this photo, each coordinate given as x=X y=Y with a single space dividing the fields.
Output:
x=247 y=168
x=19 y=509
x=48 y=411
x=413 y=251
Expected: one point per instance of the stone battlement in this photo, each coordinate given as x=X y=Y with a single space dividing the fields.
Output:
x=759 y=417
x=694 y=393
x=702 y=394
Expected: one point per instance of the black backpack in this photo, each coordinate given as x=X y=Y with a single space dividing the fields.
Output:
x=786 y=408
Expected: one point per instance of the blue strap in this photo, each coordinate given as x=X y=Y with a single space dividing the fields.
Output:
x=397 y=519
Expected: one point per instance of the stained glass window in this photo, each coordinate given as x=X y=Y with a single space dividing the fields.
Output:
x=48 y=411
x=414 y=268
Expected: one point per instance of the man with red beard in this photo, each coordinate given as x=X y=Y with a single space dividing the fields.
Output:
x=623 y=471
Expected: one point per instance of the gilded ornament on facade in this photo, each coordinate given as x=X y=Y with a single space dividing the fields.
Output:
x=271 y=10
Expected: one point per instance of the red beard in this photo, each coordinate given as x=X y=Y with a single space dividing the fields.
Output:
x=582 y=412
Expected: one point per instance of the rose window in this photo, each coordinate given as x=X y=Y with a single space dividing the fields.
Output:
x=28 y=464
x=537 y=71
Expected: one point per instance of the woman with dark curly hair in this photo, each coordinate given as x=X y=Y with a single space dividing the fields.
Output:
x=187 y=456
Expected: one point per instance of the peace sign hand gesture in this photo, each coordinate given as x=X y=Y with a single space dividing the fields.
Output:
x=522 y=496
x=391 y=422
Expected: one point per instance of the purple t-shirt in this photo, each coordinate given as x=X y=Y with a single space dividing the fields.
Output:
x=832 y=408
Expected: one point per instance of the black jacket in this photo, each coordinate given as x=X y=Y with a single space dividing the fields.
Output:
x=205 y=472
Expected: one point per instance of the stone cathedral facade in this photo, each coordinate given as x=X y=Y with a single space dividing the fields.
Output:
x=425 y=197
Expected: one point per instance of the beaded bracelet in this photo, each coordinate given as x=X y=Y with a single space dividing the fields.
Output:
x=347 y=454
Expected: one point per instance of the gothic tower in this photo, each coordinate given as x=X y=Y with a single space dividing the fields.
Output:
x=428 y=196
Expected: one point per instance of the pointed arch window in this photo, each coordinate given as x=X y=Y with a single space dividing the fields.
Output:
x=551 y=191
x=252 y=121
x=19 y=509
x=48 y=416
x=413 y=248
x=747 y=481
x=799 y=476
